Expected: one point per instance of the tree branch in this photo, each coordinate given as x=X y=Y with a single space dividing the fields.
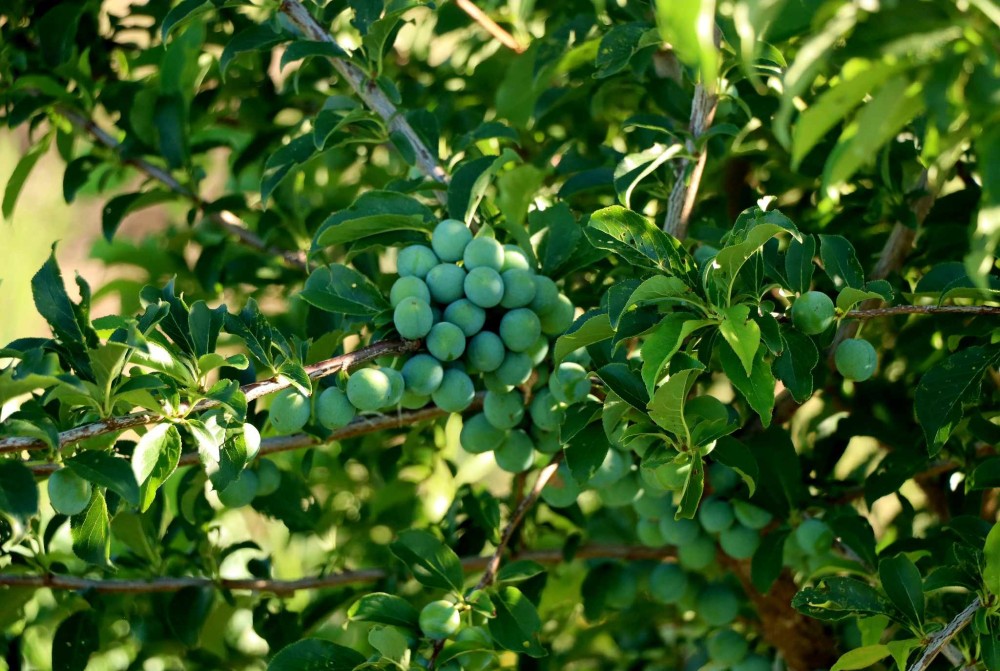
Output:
x=254 y=390
x=283 y=587
x=877 y=313
x=370 y=94
x=685 y=190
x=224 y=219
x=490 y=26
x=941 y=639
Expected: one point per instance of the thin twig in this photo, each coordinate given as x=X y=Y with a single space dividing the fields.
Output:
x=370 y=93
x=493 y=565
x=252 y=391
x=224 y=219
x=490 y=26
x=878 y=313
x=685 y=190
x=942 y=638
x=158 y=585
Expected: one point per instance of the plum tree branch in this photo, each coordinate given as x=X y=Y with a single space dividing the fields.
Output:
x=173 y=584
x=252 y=391
x=685 y=190
x=490 y=26
x=224 y=219
x=369 y=92
x=877 y=313
x=941 y=639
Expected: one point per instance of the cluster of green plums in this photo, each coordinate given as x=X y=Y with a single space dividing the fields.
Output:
x=813 y=313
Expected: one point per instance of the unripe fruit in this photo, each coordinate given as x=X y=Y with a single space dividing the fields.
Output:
x=620 y=493
x=440 y=619
x=517 y=453
x=413 y=318
x=412 y=400
x=546 y=295
x=580 y=356
x=446 y=282
x=68 y=492
x=515 y=369
x=813 y=312
x=514 y=257
x=416 y=261
x=558 y=318
x=754 y=663
x=546 y=411
x=466 y=315
x=504 y=411
x=446 y=341
x=240 y=491
x=538 y=351
x=704 y=254
x=484 y=287
x=569 y=383
x=750 y=515
x=485 y=352
x=667 y=583
x=622 y=592
x=409 y=287
x=546 y=442
x=678 y=532
x=422 y=374
x=653 y=506
x=251 y=440
x=727 y=647
x=561 y=490
x=333 y=409
x=717 y=605
x=289 y=411
x=614 y=467
x=479 y=436
x=493 y=383
x=648 y=533
x=739 y=542
x=268 y=477
x=455 y=393
x=722 y=478
x=483 y=253
x=518 y=288
x=715 y=515
x=450 y=239
x=697 y=554
x=814 y=536
x=520 y=329
x=475 y=661
x=671 y=476
x=856 y=359
x=368 y=389
x=396 y=385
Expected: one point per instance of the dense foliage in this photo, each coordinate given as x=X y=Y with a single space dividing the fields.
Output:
x=617 y=335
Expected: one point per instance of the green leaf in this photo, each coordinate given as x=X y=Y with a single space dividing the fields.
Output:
x=469 y=183
x=258 y=37
x=181 y=12
x=154 y=460
x=517 y=624
x=617 y=47
x=75 y=640
x=339 y=289
x=849 y=297
x=91 y=531
x=991 y=555
x=889 y=110
x=585 y=451
x=205 y=324
x=721 y=274
x=660 y=289
x=20 y=175
x=694 y=487
x=667 y=405
x=857 y=79
x=757 y=387
x=18 y=492
x=632 y=237
x=742 y=333
x=689 y=28
x=300 y=49
x=119 y=207
x=799 y=266
x=106 y=470
x=362 y=227
x=901 y=582
x=282 y=162
x=663 y=343
x=737 y=456
x=520 y=570
x=389 y=642
x=986 y=235
x=432 y=562
x=841 y=598
x=840 y=262
x=315 y=654
x=385 y=609
x=589 y=328
x=795 y=364
x=54 y=305
x=943 y=390
x=861 y=658
x=624 y=381
x=767 y=562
